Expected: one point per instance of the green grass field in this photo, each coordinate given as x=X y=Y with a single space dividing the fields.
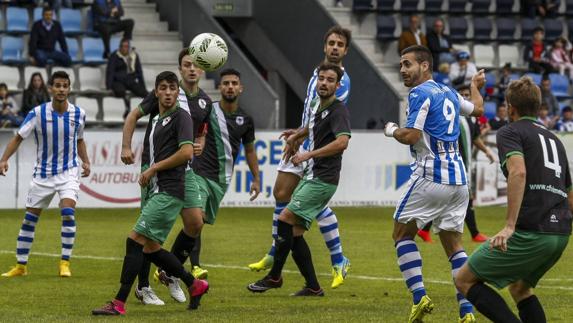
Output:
x=373 y=290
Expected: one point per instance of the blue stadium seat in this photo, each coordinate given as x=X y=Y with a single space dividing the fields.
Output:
x=553 y=29
x=514 y=76
x=385 y=5
x=458 y=28
x=93 y=50
x=559 y=85
x=73 y=49
x=433 y=6
x=490 y=80
x=17 y=20
x=536 y=77
x=504 y=7
x=409 y=5
x=505 y=29
x=482 y=29
x=12 y=49
x=457 y=6
x=480 y=6
x=114 y=43
x=385 y=27
x=569 y=7
x=527 y=26
x=361 y=5
x=71 y=20
x=490 y=108
x=37 y=14
x=90 y=24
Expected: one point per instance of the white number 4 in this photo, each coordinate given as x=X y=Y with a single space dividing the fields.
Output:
x=449 y=114
x=554 y=165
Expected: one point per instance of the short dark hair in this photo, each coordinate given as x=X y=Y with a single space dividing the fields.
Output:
x=525 y=96
x=230 y=71
x=566 y=109
x=327 y=66
x=3 y=86
x=539 y=28
x=46 y=8
x=184 y=52
x=59 y=75
x=422 y=54
x=123 y=40
x=167 y=76
x=464 y=87
x=346 y=33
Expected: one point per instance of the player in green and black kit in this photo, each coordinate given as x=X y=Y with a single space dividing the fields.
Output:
x=539 y=205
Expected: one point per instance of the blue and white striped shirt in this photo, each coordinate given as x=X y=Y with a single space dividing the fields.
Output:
x=435 y=110
x=342 y=94
x=56 y=137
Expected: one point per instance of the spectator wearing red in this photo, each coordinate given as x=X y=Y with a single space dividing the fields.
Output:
x=535 y=53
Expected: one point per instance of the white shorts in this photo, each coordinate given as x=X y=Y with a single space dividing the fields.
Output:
x=289 y=167
x=42 y=190
x=425 y=201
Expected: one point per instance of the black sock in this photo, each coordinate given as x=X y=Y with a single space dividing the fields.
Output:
x=166 y=260
x=471 y=219
x=531 y=311
x=490 y=304
x=303 y=259
x=194 y=254
x=182 y=246
x=283 y=244
x=131 y=266
x=427 y=227
x=143 y=275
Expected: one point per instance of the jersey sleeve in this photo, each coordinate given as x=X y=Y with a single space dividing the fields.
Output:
x=340 y=122
x=28 y=125
x=418 y=108
x=343 y=92
x=82 y=124
x=184 y=128
x=466 y=107
x=508 y=144
x=149 y=105
x=249 y=135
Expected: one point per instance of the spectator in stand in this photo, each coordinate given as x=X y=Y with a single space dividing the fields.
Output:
x=55 y=4
x=500 y=118
x=503 y=83
x=536 y=54
x=462 y=71
x=548 y=8
x=442 y=76
x=559 y=59
x=8 y=109
x=529 y=8
x=107 y=21
x=412 y=36
x=440 y=45
x=43 y=37
x=35 y=94
x=548 y=98
x=565 y=124
x=544 y=118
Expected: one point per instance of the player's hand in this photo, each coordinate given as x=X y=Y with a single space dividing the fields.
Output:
x=490 y=156
x=389 y=129
x=287 y=133
x=479 y=79
x=255 y=190
x=3 y=167
x=197 y=149
x=298 y=158
x=127 y=156
x=146 y=176
x=86 y=169
x=499 y=241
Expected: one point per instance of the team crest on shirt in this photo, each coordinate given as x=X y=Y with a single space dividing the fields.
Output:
x=202 y=104
x=166 y=121
x=324 y=114
x=240 y=120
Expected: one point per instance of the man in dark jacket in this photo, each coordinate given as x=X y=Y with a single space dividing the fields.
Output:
x=124 y=72
x=42 y=46
x=440 y=45
x=107 y=21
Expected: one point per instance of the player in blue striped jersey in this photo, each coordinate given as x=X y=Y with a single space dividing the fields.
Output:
x=58 y=128
x=437 y=190
x=336 y=44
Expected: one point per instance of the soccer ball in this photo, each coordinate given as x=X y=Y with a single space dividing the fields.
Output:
x=208 y=51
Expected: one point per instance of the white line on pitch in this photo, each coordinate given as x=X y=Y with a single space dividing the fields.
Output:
x=442 y=282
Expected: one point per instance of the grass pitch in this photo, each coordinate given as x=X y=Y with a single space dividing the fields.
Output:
x=373 y=291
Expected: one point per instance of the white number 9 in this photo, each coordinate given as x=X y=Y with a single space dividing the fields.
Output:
x=449 y=114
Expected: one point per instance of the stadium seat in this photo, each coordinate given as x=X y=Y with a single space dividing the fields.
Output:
x=361 y=5
x=149 y=77
x=17 y=20
x=90 y=24
x=457 y=6
x=504 y=7
x=433 y=6
x=559 y=85
x=536 y=77
x=73 y=49
x=482 y=29
x=509 y=54
x=93 y=50
x=29 y=70
x=37 y=14
x=514 y=76
x=71 y=20
x=12 y=49
x=505 y=29
x=70 y=72
x=91 y=106
x=527 y=26
x=91 y=79
x=10 y=76
x=490 y=83
x=490 y=108
x=458 y=28
x=553 y=29
x=480 y=6
x=485 y=56
x=113 y=109
x=569 y=7
x=409 y=5
x=386 y=26
x=114 y=43
x=385 y=5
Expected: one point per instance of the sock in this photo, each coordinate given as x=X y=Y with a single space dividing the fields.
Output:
x=26 y=237
x=490 y=304
x=143 y=275
x=278 y=209
x=303 y=259
x=410 y=263
x=183 y=246
x=283 y=246
x=166 y=260
x=531 y=311
x=457 y=260
x=471 y=219
x=68 y=232
x=132 y=263
x=328 y=224
x=195 y=252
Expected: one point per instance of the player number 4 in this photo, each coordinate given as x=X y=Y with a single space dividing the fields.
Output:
x=554 y=165
x=449 y=114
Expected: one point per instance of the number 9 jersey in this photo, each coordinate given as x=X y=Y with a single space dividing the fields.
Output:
x=435 y=110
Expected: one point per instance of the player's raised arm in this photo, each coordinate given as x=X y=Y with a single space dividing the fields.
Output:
x=477 y=83
x=11 y=148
